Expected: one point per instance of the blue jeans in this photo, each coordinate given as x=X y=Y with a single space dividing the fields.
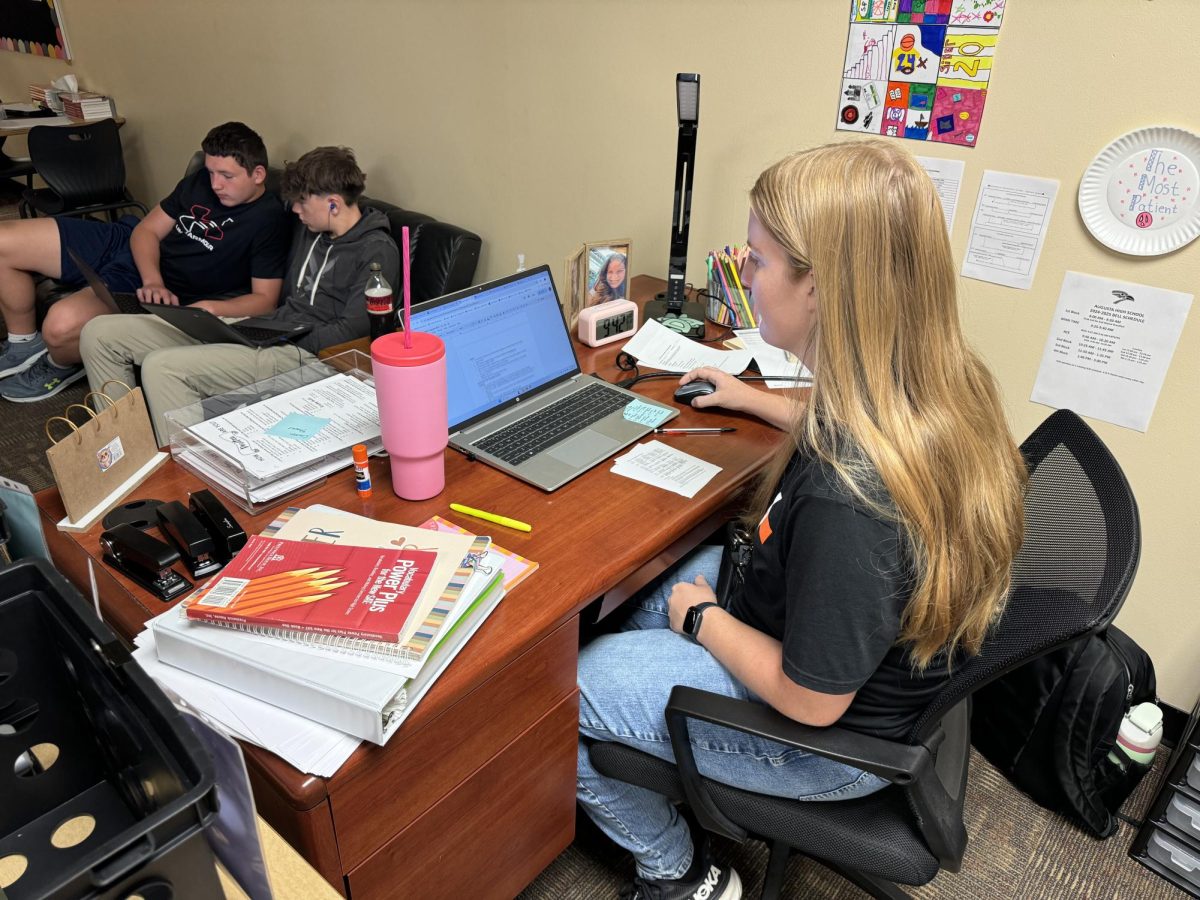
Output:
x=624 y=682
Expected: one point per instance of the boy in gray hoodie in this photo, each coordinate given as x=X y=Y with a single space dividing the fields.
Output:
x=324 y=287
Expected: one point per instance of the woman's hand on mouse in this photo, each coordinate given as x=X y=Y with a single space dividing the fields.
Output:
x=733 y=393
x=730 y=393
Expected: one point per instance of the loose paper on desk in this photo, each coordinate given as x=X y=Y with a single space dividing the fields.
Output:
x=947 y=179
x=1109 y=348
x=657 y=347
x=662 y=466
x=18 y=124
x=772 y=360
x=243 y=435
x=307 y=745
x=1008 y=230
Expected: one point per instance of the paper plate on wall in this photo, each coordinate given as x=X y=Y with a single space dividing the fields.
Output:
x=1141 y=195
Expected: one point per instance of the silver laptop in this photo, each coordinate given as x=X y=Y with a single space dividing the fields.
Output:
x=517 y=399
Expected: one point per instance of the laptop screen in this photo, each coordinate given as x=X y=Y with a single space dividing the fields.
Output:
x=504 y=340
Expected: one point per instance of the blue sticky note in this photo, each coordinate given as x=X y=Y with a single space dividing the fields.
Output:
x=646 y=413
x=297 y=426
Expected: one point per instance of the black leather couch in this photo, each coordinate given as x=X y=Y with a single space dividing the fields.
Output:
x=444 y=256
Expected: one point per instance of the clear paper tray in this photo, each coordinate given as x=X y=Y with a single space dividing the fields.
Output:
x=224 y=473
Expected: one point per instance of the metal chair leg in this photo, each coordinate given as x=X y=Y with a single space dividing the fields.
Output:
x=776 y=869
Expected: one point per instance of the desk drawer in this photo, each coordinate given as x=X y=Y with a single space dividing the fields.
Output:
x=412 y=773
x=492 y=836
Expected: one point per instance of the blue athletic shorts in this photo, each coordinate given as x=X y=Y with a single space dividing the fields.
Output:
x=102 y=245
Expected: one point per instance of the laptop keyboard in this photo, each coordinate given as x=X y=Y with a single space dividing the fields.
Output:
x=254 y=333
x=128 y=303
x=531 y=435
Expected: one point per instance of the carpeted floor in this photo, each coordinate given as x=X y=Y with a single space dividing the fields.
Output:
x=1017 y=850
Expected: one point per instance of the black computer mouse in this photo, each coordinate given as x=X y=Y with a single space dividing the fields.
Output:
x=686 y=393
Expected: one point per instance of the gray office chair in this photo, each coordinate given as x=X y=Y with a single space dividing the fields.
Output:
x=1081 y=550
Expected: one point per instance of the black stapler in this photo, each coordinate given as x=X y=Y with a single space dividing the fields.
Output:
x=227 y=535
x=188 y=534
x=144 y=559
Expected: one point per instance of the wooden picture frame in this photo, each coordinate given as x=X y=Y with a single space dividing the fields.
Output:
x=571 y=295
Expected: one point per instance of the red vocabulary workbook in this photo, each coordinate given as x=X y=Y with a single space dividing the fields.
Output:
x=364 y=592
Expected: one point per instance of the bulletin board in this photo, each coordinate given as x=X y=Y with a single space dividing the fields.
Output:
x=34 y=27
x=919 y=69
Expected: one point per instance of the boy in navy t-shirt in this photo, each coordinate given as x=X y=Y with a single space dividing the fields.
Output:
x=219 y=242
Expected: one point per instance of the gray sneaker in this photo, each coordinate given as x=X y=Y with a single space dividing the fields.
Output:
x=41 y=380
x=17 y=356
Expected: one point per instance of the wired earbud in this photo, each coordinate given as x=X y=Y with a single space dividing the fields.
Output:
x=333 y=206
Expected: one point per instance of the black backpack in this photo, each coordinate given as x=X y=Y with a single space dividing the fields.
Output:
x=1049 y=725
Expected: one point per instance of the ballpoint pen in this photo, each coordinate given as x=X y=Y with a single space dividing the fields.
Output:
x=693 y=430
x=490 y=517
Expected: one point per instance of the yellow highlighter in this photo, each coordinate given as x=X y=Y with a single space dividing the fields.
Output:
x=490 y=517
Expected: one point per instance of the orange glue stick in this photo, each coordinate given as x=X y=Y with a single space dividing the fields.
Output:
x=362 y=471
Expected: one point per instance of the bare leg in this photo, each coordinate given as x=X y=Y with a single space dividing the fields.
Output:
x=65 y=320
x=28 y=247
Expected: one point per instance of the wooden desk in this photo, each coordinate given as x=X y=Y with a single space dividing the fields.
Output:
x=21 y=127
x=475 y=794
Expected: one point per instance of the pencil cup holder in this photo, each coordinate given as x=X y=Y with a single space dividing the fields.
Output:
x=410 y=386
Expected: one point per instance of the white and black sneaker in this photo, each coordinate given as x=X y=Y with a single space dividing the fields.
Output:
x=713 y=883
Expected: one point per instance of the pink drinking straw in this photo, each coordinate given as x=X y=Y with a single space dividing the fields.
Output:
x=407 y=289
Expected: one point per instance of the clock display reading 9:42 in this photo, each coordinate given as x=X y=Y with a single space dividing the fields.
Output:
x=614 y=325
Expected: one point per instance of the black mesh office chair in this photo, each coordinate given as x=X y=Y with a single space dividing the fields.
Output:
x=1080 y=553
x=14 y=167
x=84 y=170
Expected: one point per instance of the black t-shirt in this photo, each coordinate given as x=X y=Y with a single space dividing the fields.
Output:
x=830 y=580
x=214 y=250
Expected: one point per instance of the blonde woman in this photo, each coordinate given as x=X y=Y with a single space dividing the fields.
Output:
x=885 y=529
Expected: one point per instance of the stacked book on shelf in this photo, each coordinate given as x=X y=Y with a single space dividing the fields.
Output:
x=46 y=95
x=87 y=105
x=328 y=629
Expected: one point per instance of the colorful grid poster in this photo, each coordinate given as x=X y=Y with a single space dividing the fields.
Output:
x=919 y=69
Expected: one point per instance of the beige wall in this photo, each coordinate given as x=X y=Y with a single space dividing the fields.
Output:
x=544 y=123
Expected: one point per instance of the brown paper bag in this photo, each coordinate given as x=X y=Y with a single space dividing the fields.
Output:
x=100 y=453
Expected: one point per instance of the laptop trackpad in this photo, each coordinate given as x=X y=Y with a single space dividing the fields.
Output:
x=583 y=448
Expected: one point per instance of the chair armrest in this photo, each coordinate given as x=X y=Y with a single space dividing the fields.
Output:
x=895 y=762
x=911 y=766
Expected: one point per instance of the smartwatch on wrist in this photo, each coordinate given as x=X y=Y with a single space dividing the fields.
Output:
x=692 y=619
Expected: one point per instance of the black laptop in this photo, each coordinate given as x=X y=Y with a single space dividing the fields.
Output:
x=198 y=324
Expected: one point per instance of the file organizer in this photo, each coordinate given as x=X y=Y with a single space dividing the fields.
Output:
x=224 y=474
x=118 y=753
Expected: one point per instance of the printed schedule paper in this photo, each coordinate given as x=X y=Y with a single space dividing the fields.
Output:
x=1009 y=228
x=947 y=175
x=1109 y=348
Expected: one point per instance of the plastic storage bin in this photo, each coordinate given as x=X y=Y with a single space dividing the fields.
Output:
x=1180 y=859
x=104 y=789
x=1184 y=814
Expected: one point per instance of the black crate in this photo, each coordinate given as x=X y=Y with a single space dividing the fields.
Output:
x=125 y=757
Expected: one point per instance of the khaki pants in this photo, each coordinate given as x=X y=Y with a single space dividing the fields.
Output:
x=176 y=369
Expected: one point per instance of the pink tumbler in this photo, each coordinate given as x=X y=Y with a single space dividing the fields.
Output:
x=410 y=385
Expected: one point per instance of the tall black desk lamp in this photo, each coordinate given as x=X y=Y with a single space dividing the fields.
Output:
x=670 y=308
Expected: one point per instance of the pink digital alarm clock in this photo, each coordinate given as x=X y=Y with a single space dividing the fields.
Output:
x=608 y=322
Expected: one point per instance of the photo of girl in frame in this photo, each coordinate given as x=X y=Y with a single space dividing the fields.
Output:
x=607 y=272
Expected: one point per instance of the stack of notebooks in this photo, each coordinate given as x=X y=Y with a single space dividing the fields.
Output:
x=87 y=105
x=328 y=629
